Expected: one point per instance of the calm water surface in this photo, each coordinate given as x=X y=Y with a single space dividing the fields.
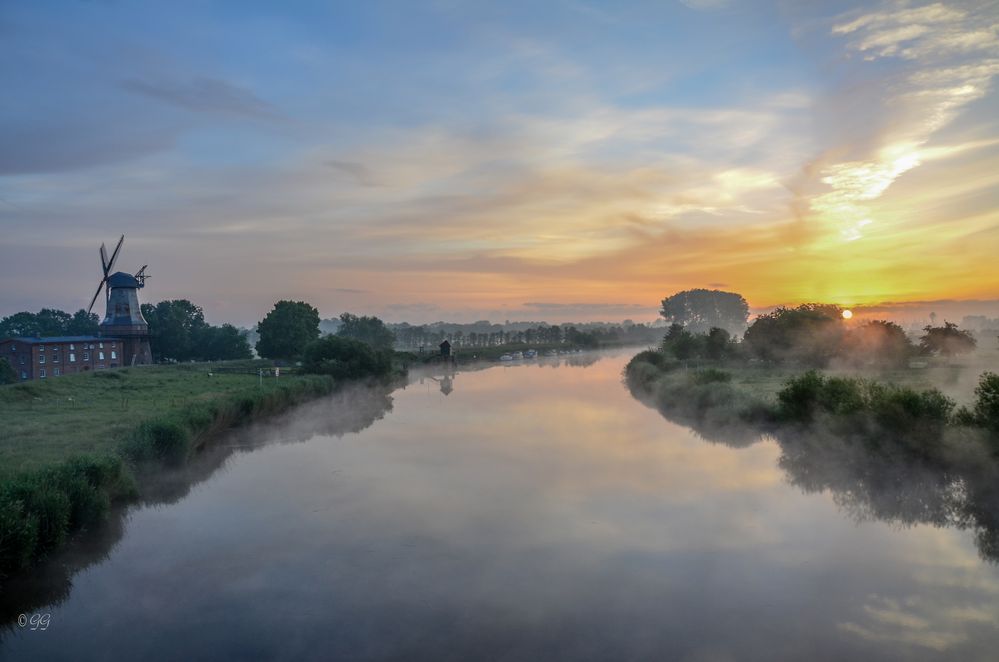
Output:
x=530 y=512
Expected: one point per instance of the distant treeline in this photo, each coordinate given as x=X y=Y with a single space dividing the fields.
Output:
x=812 y=334
x=594 y=335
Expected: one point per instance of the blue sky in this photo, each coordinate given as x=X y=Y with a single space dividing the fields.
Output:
x=462 y=160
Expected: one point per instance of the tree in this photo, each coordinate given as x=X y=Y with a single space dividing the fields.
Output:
x=699 y=310
x=370 y=330
x=222 y=343
x=717 y=344
x=681 y=343
x=287 y=329
x=345 y=358
x=49 y=322
x=83 y=324
x=811 y=334
x=7 y=373
x=173 y=328
x=878 y=342
x=947 y=340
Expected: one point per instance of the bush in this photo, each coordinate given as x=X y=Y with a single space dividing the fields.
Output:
x=39 y=510
x=711 y=376
x=161 y=440
x=346 y=358
x=902 y=410
x=987 y=401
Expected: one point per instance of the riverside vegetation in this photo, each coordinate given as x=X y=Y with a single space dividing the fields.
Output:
x=71 y=446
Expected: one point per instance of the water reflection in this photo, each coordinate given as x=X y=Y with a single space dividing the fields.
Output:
x=885 y=481
x=347 y=411
x=533 y=513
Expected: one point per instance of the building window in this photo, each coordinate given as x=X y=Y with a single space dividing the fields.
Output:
x=101 y=345
x=22 y=359
x=112 y=345
x=41 y=358
x=55 y=372
x=24 y=375
x=41 y=373
x=100 y=355
x=114 y=355
x=55 y=358
x=72 y=347
x=86 y=356
x=72 y=357
x=41 y=348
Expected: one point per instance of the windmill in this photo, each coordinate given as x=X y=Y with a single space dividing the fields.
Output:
x=123 y=313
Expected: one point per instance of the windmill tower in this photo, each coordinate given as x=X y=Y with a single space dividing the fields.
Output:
x=123 y=316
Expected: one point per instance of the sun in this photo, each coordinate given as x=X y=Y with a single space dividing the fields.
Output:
x=847 y=314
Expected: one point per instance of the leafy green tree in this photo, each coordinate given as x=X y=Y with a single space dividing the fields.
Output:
x=877 y=342
x=49 y=322
x=811 y=334
x=987 y=401
x=83 y=324
x=698 y=310
x=947 y=340
x=173 y=328
x=287 y=329
x=7 y=373
x=345 y=358
x=717 y=344
x=681 y=343
x=23 y=324
x=222 y=343
x=52 y=322
x=370 y=330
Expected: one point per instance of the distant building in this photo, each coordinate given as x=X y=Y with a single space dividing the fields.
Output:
x=123 y=339
x=445 y=348
x=40 y=358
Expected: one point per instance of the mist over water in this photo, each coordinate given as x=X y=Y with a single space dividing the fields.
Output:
x=511 y=513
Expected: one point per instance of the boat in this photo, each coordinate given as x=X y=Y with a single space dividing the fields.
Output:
x=506 y=357
x=530 y=354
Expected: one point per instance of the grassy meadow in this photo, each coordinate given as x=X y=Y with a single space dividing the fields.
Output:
x=46 y=421
x=68 y=445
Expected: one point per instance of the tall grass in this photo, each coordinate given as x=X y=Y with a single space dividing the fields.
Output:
x=41 y=508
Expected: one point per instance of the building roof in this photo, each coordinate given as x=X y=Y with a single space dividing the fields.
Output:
x=122 y=279
x=57 y=339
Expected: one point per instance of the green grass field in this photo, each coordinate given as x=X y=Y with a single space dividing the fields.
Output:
x=45 y=421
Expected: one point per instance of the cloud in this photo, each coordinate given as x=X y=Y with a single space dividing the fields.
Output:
x=203 y=95
x=952 y=60
x=41 y=147
x=357 y=171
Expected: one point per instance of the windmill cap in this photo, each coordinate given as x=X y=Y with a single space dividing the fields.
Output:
x=122 y=279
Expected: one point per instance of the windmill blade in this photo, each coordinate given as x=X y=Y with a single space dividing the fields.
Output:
x=96 y=294
x=114 y=256
x=104 y=260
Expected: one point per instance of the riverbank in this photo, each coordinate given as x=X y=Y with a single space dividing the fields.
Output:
x=897 y=407
x=71 y=446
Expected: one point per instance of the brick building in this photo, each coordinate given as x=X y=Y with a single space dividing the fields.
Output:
x=41 y=358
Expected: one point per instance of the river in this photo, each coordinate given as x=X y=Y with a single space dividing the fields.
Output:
x=519 y=512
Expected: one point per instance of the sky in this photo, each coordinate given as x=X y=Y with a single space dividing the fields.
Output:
x=562 y=160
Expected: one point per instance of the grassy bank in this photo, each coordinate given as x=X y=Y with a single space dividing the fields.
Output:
x=69 y=445
x=899 y=406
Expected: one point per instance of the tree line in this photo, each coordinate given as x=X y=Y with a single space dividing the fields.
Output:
x=810 y=334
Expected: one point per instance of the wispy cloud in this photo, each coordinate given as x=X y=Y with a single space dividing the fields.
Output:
x=203 y=94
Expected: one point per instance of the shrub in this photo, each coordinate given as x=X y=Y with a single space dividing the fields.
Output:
x=798 y=398
x=346 y=358
x=165 y=441
x=987 y=401
x=902 y=410
x=711 y=376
